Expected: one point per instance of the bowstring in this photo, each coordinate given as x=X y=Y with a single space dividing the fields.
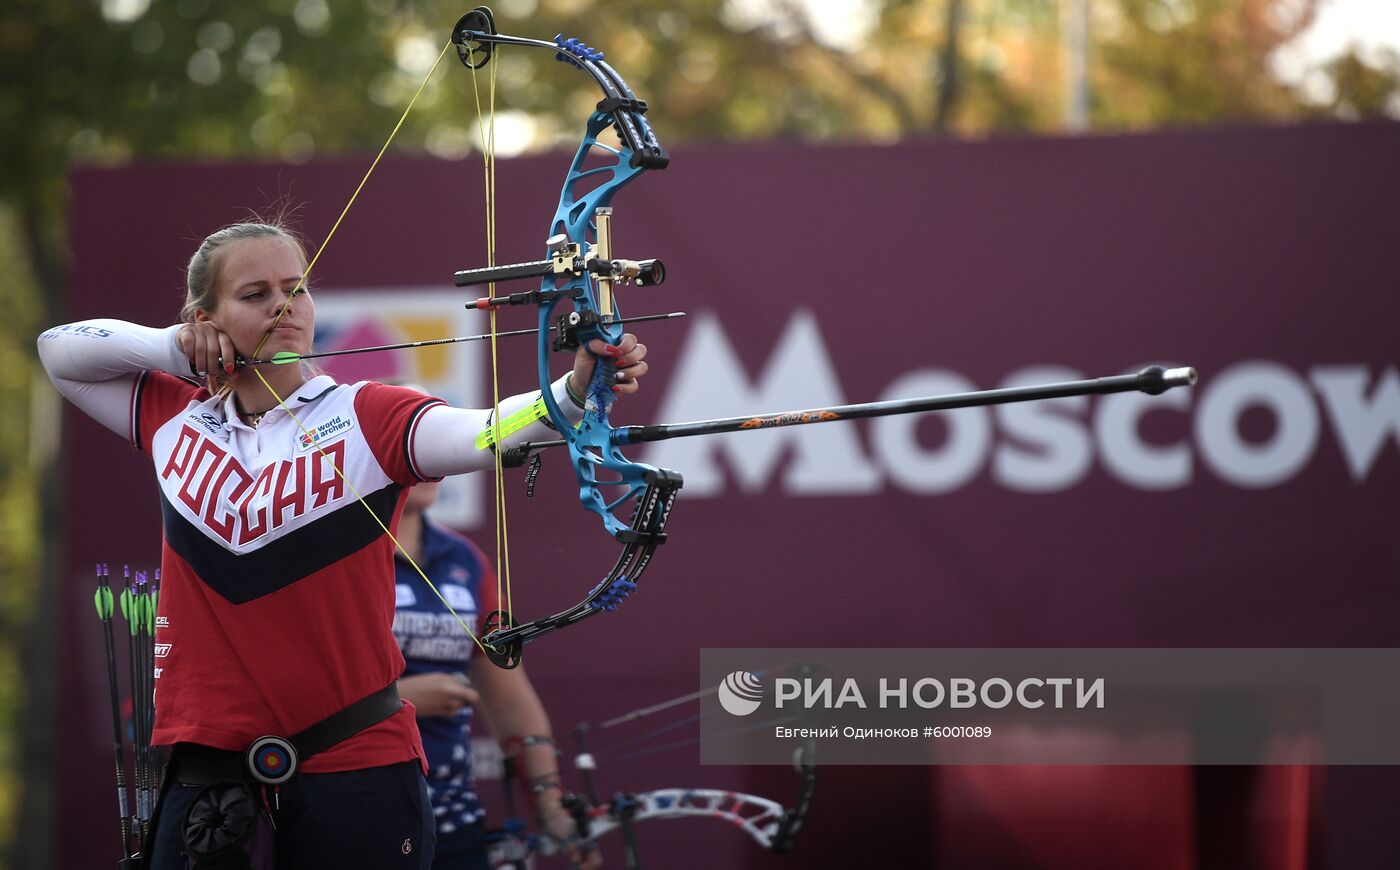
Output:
x=379 y=522
x=486 y=128
x=301 y=287
x=301 y=282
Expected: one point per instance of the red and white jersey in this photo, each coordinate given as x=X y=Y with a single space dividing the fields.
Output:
x=277 y=586
x=277 y=591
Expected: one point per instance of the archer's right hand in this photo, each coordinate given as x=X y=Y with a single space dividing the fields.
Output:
x=438 y=694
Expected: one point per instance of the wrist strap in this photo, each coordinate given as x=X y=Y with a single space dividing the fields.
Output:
x=569 y=388
x=513 y=745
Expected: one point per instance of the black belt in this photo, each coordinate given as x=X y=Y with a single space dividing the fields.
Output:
x=196 y=764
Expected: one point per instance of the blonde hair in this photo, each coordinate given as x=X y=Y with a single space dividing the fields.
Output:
x=202 y=273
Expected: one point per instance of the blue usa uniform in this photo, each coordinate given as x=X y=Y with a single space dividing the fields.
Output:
x=432 y=640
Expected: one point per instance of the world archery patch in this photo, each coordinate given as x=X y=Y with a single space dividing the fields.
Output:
x=337 y=425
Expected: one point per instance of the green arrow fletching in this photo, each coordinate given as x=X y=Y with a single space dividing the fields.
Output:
x=102 y=600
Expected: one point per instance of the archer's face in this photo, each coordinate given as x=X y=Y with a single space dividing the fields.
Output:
x=256 y=278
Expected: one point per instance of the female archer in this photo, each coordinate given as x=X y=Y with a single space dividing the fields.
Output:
x=278 y=589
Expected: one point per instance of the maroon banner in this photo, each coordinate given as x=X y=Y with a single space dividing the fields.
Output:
x=1255 y=509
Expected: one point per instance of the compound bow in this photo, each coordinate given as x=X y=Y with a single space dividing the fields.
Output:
x=578 y=274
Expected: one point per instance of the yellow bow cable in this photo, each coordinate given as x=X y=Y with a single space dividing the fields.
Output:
x=300 y=286
x=301 y=283
x=487 y=131
x=379 y=522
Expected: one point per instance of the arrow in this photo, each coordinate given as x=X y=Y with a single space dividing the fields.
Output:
x=1151 y=380
x=284 y=357
x=103 y=599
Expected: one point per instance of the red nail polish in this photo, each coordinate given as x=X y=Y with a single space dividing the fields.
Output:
x=617 y=389
x=228 y=367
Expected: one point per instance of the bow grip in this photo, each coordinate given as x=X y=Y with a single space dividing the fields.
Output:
x=600 y=388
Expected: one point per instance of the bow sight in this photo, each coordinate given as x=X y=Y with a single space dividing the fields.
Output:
x=568 y=258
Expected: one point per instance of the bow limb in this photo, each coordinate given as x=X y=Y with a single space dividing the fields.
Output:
x=766 y=821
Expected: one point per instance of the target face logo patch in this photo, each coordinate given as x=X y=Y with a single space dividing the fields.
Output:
x=272 y=760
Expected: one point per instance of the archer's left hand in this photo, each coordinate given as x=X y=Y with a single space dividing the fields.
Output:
x=627 y=356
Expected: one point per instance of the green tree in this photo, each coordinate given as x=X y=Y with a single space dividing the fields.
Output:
x=1363 y=87
x=1196 y=61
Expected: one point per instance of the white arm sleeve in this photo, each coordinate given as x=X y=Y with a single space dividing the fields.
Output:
x=444 y=441
x=94 y=364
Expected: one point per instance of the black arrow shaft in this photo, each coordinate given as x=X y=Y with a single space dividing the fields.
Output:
x=436 y=341
x=1152 y=380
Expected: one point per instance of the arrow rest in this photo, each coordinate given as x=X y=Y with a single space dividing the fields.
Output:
x=568 y=325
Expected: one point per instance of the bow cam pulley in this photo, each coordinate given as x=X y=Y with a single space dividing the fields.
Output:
x=473 y=52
